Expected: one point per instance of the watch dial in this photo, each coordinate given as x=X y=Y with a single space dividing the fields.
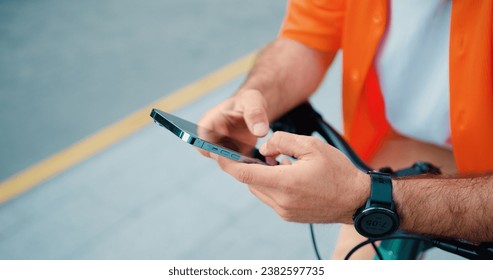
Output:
x=377 y=224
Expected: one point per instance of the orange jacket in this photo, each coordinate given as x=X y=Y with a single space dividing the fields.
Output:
x=357 y=27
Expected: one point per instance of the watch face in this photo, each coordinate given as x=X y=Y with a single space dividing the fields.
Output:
x=376 y=222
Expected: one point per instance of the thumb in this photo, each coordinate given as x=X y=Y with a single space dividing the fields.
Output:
x=283 y=143
x=254 y=108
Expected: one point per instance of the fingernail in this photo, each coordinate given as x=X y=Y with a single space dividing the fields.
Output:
x=260 y=129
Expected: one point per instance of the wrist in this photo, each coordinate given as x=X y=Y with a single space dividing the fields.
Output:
x=361 y=183
x=364 y=188
x=377 y=217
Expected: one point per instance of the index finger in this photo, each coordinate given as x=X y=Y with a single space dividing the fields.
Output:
x=253 y=106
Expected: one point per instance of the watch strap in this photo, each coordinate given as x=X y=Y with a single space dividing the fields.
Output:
x=381 y=189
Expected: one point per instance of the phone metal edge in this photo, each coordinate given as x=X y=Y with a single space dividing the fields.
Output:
x=192 y=139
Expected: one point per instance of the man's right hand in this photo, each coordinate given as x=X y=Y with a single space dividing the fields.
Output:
x=242 y=116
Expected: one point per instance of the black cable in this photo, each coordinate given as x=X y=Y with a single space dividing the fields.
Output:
x=356 y=248
x=377 y=251
x=314 y=242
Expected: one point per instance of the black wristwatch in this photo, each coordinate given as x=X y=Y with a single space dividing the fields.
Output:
x=378 y=217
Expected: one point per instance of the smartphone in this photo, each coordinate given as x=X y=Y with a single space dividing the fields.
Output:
x=207 y=139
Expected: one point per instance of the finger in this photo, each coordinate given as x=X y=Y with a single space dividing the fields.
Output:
x=271 y=160
x=254 y=174
x=254 y=110
x=214 y=156
x=263 y=197
x=214 y=126
x=210 y=121
x=286 y=161
x=271 y=197
x=209 y=135
x=283 y=143
x=203 y=152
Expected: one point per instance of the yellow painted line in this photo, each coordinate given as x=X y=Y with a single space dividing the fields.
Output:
x=97 y=142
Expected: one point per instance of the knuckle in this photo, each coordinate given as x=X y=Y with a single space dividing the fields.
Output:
x=285 y=204
x=254 y=112
x=277 y=137
x=245 y=176
x=278 y=134
x=302 y=141
x=255 y=96
x=311 y=143
x=252 y=189
x=286 y=215
x=222 y=164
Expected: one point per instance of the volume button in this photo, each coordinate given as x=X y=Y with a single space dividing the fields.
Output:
x=198 y=143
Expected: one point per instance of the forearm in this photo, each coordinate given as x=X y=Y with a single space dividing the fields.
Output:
x=287 y=73
x=448 y=207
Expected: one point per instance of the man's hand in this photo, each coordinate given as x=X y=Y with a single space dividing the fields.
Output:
x=242 y=117
x=321 y=186
x=284 y=75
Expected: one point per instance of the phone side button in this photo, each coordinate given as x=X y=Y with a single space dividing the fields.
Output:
x=198 y=143
x=235 y=156
x=211 y=148
x=225 y=153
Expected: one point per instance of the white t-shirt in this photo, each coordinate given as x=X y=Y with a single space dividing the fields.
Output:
x=413 y=69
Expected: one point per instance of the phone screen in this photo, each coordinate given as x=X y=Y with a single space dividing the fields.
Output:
x=207 y=139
